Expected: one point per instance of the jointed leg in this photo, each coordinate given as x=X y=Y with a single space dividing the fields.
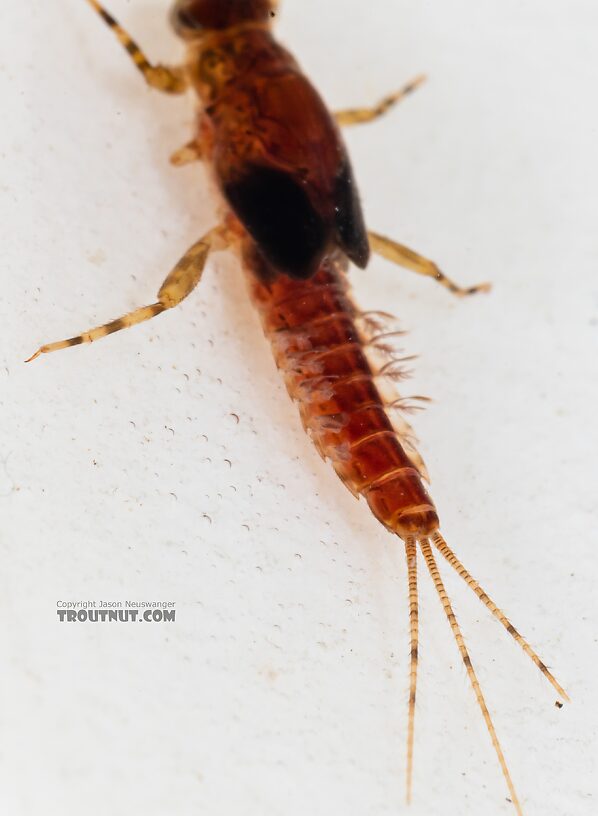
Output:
x=161 y=77
x=403 y=256
x=191 y=152
x=180 y=282
x=358 y=116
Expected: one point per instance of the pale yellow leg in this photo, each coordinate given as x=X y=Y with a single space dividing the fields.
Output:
x=180 y=282
x=191 y=152
x=163 y=78
x=358 y=116
x=403 y=256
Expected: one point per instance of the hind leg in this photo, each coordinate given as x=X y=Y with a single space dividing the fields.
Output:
x=180 y=282
x=403 y=256
x=163 y=78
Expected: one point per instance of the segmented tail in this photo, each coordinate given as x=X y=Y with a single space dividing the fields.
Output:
x=450 y=556
x=436 y=538
x=411 y=553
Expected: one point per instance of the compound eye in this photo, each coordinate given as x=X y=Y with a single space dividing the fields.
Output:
x=187 y=17
x=187 y=20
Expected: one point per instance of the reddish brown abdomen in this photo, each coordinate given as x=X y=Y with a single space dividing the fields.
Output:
x=311 y=326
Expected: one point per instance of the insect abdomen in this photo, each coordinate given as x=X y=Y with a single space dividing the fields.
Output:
x=317 y=344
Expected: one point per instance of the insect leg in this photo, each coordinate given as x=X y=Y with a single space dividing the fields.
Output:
x=450 y=556
x=357 y=116
x=180 y=282
x=411 y=553
x=191 y=152
x=403 y=256
x=163 y=78
x=448 y=609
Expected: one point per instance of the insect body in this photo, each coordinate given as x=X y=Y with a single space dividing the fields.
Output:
x=293 y=214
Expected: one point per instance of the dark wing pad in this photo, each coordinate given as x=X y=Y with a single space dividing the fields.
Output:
x=350 y=227
x=276 y=211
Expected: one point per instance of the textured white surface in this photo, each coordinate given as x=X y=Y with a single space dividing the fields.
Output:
x=281 y=688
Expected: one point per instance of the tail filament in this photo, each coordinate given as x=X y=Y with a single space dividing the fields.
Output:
x=425 y=544
x=450 y=556
x=411 y=554
x=448 y=609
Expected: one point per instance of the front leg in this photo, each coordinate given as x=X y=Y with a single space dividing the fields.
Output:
x=163 y=78
x=191 y=152
x=357 y=116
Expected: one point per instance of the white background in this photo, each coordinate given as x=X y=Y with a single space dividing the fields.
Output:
x=281 y=688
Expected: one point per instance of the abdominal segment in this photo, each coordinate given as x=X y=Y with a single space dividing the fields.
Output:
x=313 y=329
